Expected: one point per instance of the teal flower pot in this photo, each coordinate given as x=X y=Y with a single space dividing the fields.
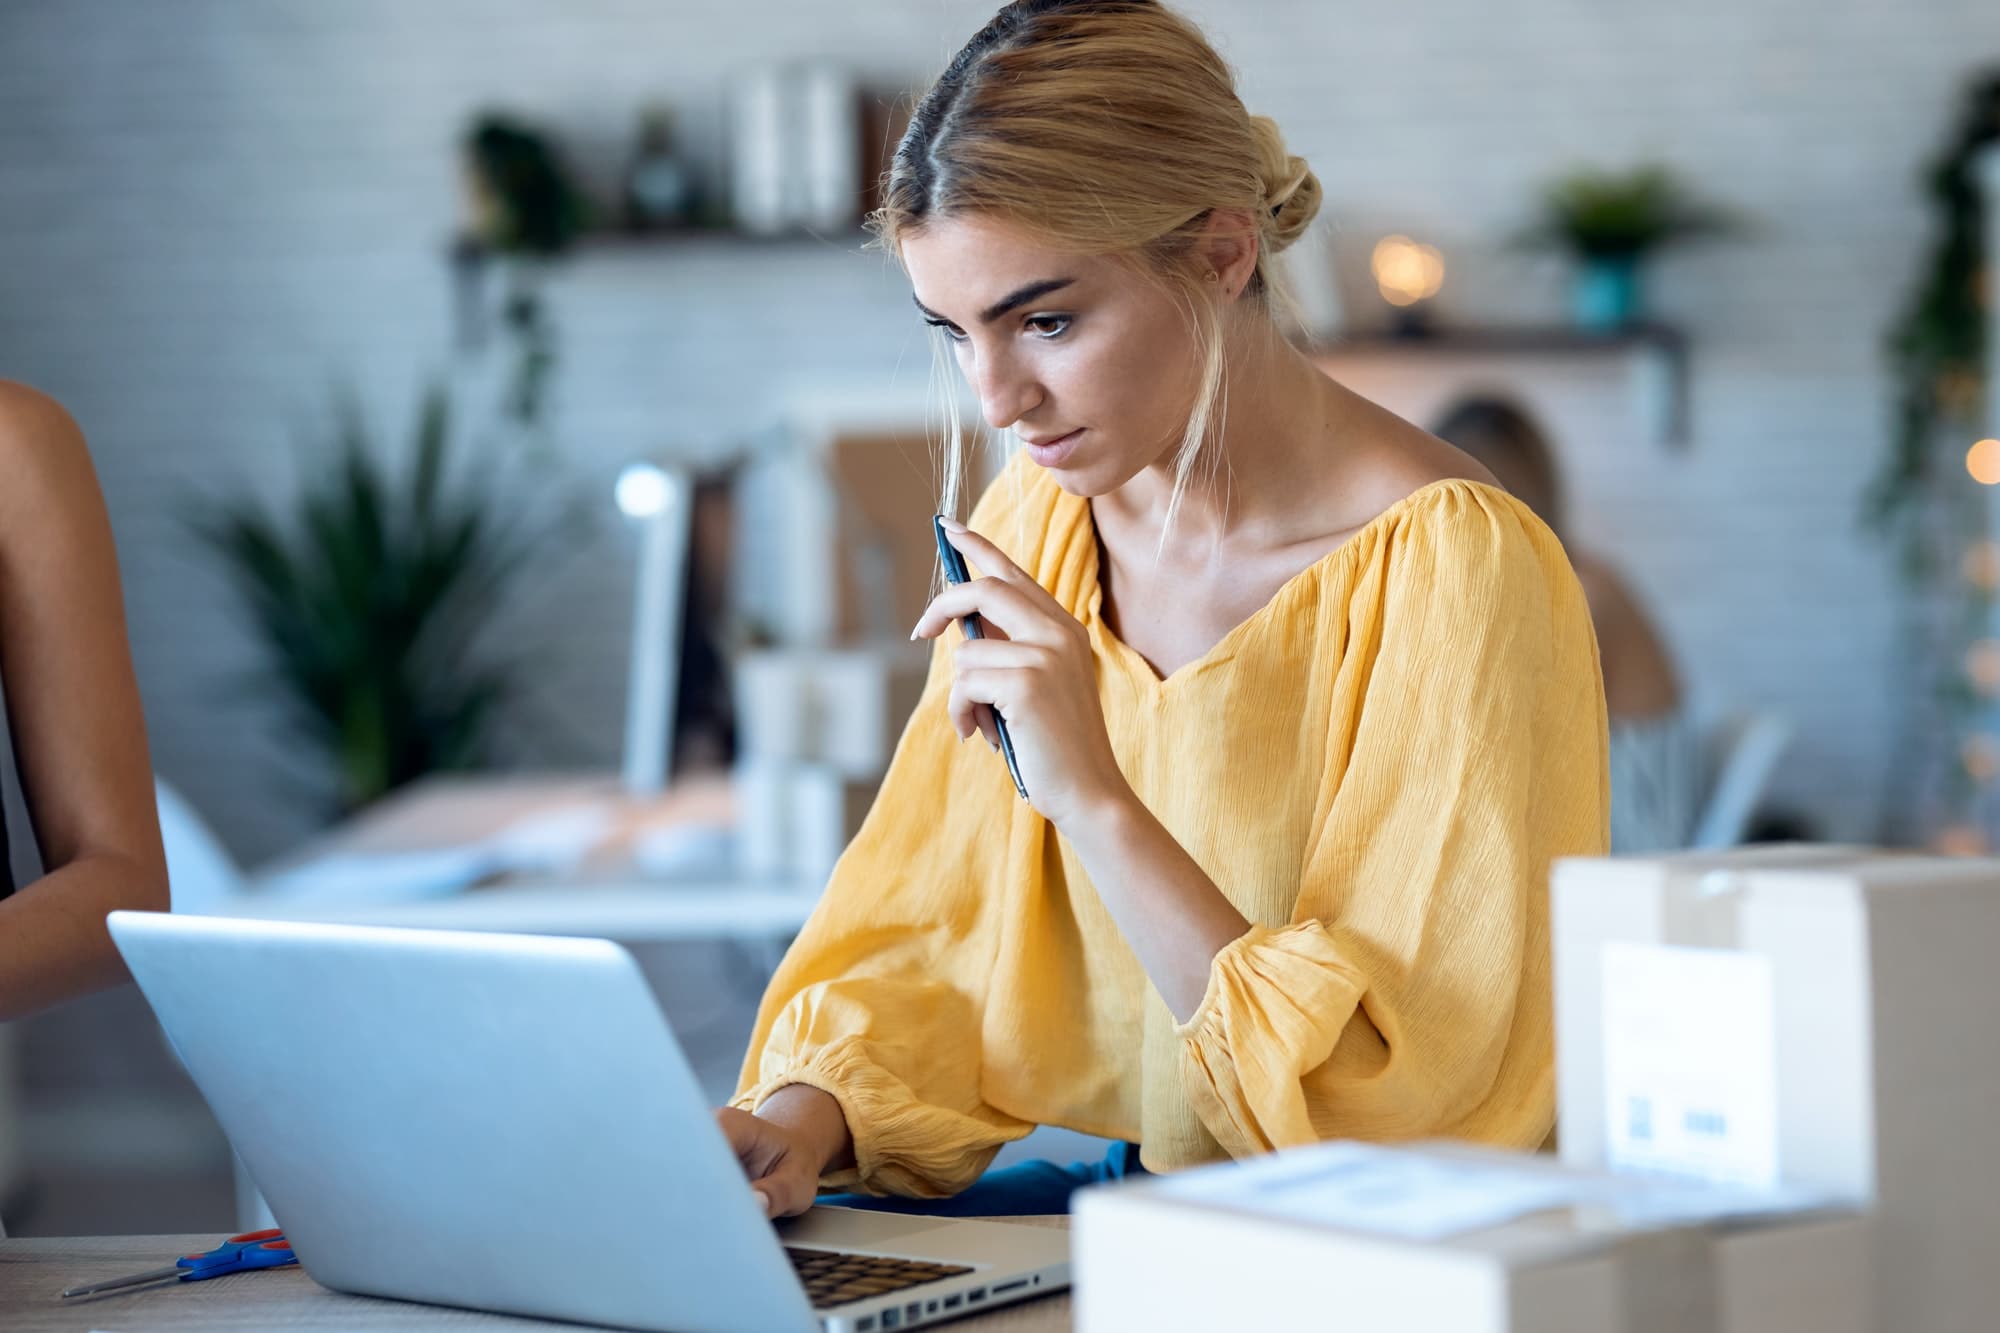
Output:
x=1605 y=297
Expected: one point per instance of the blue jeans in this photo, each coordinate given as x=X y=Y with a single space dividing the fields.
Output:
x=1025 y=1189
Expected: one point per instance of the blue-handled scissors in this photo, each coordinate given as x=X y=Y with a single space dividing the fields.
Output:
x=238 y=1254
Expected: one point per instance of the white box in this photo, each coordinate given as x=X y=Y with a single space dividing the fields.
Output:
x=844 y=708
x=794 y=820
x=1883 y=980
x=1573 y=1253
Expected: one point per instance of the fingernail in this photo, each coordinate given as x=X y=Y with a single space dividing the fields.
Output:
x=991 y=746
x=953 y=525
x=763 y=1201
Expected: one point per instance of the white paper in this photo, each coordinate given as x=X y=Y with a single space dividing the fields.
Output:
x=1415 y=1194
x=1383 y=1191
x=1690 y=1063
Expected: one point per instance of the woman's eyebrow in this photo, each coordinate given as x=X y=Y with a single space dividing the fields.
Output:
x=1018 y=297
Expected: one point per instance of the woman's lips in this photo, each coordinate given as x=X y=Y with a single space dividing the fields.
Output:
x=1055 y=451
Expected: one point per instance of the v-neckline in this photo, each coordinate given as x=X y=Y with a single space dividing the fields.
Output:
x=1225 y=647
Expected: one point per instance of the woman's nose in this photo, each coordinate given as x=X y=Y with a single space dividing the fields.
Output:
x=1005 y=395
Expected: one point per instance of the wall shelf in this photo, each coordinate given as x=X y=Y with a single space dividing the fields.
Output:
x=1658 y=354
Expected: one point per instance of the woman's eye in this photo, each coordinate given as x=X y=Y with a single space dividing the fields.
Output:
x=951 y=330
x=1049 y=326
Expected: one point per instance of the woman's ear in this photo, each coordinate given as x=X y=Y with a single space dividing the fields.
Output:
x=1228 y=249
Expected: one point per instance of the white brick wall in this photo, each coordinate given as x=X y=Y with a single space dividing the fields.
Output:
x=209 y=210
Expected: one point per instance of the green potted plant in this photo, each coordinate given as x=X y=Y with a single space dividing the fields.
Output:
x=370 y=589
x=1610 y=221
x=526 y=210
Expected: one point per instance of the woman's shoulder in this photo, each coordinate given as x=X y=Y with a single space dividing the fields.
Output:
x=1402 y=487
x=44 y=459
x=38 y=438
x=1453 y=533
x=1450 y=511
x=25 y=410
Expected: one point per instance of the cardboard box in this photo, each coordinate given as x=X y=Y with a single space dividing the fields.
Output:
x=1871 y=982
x=1453 y=1239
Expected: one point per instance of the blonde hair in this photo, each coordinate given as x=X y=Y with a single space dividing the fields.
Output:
x=1101 y=127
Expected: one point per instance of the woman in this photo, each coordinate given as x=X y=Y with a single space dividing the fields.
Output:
x=78 y=736
x=1655 y=750
x=1303 y=705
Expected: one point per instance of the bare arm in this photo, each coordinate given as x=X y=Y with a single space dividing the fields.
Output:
x=1166 y=906
x=73 y=704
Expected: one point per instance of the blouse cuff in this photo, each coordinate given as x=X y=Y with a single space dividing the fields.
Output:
x=901 y=1146
x=1276 y=1003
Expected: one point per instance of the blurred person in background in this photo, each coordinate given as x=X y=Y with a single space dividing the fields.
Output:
x=78 y=735
x=1655 y=749
x=1304 y=705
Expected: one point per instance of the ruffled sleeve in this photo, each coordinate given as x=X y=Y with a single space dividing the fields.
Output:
x=880 y=1000
x=1409 y=994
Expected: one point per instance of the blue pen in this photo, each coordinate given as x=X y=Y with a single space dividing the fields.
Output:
x=954 y=573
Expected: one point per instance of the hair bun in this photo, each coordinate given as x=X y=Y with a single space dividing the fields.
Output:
x=1290 y=188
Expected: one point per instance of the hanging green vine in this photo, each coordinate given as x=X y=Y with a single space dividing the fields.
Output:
x=1940 y=781
x=1937 y=349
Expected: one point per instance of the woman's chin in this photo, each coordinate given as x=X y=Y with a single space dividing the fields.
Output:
x=1084 y=483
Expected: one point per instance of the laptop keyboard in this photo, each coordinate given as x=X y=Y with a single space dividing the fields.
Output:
x=832 y=1278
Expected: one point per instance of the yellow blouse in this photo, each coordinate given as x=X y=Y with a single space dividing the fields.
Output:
x=1376 y=768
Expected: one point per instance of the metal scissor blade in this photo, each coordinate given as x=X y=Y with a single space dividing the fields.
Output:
x=137 y=1279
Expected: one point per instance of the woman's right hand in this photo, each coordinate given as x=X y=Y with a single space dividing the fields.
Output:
x=796 y=1136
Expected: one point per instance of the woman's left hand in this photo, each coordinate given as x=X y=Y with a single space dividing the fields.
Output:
x=1035 y=667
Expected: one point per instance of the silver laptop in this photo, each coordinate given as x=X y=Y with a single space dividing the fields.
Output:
x=506 y=1122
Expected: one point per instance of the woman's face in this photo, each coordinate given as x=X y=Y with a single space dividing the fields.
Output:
x=1090 y=364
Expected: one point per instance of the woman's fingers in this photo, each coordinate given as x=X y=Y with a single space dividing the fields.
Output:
x=990 y=558
x=968 y=717
x=782 y=1178
x=749 y=1138
x=992 y=673
x=1001 y=605
x=1013 y=612
x=789 y=1189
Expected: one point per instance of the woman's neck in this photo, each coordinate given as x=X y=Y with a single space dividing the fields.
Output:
x=1277 y=411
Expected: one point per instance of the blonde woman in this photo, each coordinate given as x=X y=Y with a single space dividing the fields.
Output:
x=1303 y=704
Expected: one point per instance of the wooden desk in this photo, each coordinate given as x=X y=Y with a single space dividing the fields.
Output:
x=32 y=1272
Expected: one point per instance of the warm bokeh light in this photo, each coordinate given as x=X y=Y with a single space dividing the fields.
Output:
x=1959 y=840
x=1981 y=565
x=1982 y=665
x=1982 y=460
x=1406 y=271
